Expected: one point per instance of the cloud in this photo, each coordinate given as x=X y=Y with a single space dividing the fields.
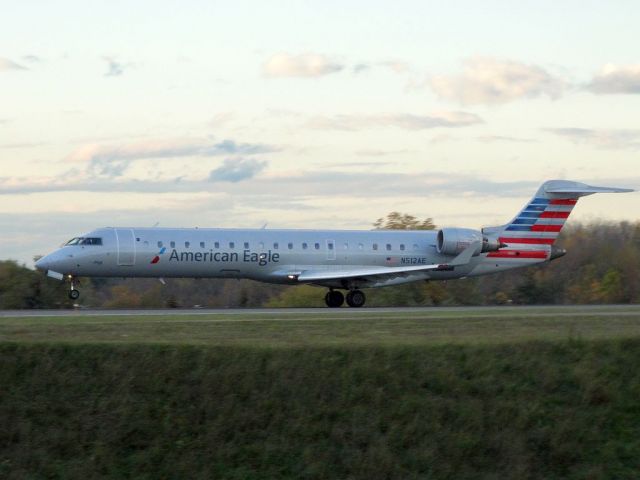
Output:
x=361 y=68
x=165 y=149
x=405 y=121
x=396 y=66
x=503 y=138
x=304 y=65
x=618 y=139
x=288 y=186
x=616 y=79
x=487 y=80
x=372 y=152
x=32 y=59
x=237 y=169
x=7 y=65
x=114 y=67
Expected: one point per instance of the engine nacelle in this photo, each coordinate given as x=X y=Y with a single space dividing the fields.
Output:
x=452 y=241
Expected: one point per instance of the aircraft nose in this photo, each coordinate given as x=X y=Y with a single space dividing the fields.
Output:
x=43 y=264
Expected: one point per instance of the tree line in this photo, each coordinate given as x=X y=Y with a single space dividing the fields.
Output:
x=602 y=266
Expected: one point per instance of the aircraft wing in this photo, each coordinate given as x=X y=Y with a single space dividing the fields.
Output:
x=384 y=272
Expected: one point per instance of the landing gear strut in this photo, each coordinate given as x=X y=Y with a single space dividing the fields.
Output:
x=355 y=298
x=73 y=293
x=334 y=299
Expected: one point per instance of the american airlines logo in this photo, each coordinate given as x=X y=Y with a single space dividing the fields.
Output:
x=156 y=259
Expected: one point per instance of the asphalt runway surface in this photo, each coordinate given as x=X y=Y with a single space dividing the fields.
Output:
x=557 y=310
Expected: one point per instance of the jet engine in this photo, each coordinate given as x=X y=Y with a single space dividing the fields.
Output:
x=452 y=241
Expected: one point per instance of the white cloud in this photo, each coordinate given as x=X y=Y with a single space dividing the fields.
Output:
x=7 y=65
x=304 y=65
x=617 y=139
x=487 y=80
x=405 y=121
x=396 y=66
x=616 y=79
x=170 y=148
x=237 y=169
x=114 y=67
x=503 y=138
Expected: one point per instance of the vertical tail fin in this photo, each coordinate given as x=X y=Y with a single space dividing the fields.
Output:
x=540 y=221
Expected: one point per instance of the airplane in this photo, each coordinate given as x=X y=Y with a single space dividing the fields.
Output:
x=348 y=260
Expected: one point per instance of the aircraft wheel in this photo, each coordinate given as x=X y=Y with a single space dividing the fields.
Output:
x=334 y=299
x=74 y=294
x=355 y=298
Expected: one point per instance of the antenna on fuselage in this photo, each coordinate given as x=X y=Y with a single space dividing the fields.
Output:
x=264 y=226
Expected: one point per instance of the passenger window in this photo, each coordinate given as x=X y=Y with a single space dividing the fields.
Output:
x=201 y=244
x=317 y=246
x=360 y=246
x=232 y=245
x=388 y=246
x=275 y=245
x=304 y=245
x=159 y=244
x=375 y=246
x=330 y=245
x=402 y=247
x=346 y=246
x=290 y=245
x=173 y=244
x=246 y=245
x=186 y=244
x=216 y=244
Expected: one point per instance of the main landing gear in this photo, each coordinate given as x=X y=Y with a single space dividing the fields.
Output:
x=335 y=298
x=73 y=293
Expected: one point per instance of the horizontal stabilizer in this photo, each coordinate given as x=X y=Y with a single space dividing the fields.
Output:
x=559 y=188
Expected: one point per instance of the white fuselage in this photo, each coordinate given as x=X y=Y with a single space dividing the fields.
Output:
x=274 y=256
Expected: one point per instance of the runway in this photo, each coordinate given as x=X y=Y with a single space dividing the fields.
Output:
x=538 y=310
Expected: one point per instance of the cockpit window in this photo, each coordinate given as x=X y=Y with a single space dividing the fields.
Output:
x=85 y=241
x=91 y=241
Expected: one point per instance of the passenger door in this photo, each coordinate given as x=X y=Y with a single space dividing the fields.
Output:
x=126 y=246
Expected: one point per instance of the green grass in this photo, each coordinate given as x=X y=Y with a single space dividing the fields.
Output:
x=508 y=395
x=313 y=328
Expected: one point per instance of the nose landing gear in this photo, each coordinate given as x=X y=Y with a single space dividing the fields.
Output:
x=73 y=293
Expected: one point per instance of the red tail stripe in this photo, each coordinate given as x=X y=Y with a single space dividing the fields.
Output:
x=563 y=201
x=531 y=241
x=518 y=254
x=546 y=228
x=554 y=215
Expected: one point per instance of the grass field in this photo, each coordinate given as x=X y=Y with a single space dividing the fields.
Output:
x=321 y=328
x=460 y=394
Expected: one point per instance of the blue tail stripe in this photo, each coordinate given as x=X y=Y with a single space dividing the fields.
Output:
x=519 y=228
x=524 y=221
x=528 y=214
x=540 y=201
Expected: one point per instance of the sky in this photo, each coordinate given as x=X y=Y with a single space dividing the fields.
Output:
x=309 y=114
